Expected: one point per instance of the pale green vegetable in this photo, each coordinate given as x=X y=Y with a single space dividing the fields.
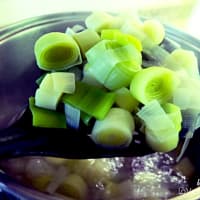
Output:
x=47 y=99
x=186 y=96
x=122 y=38
x=90 y=99
x=154 y=116
x=63 y=82
x=52 y=87
x=174 y=113
x=100 y=20
x=113 y=64
x=46 y=118
x=56 y=51
x=166 y=144
x=115 y=130
x=154 y=83
x=162 y=128
x=181 y=59
x=86 y=39
x=154 y=30
x=125 y=100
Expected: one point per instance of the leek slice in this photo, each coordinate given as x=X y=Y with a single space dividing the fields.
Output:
x=56 y=51
x=86 y=39
x=149 y=46
x=108 y=58
x=46 y=118
x=154 y=83
x=115 y=130
x=125 y=100
x=122 y=38
x=89 y=78
x=72 y=116
x=186 y=96
x=52 y=87
x=181 y=59
x=90 y=99
x=162 y=129
x=155 y=117
x=121 y=75
x=154 y=30
x=63 y=82
x=47 y=99
x=167 y=144
x=101 y=20
x=174 y=113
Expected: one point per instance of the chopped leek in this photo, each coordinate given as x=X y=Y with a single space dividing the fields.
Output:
x=162 y=129
x=174 y=113
x=166 y=144
x=154 y=83
x=86 y=39
x=181 y=59
x=63 y=82
x=113 y=64
x=46 y=118
x=125 y=100
x=122 y=38
x=154 y=30
x=115 y=130
x=90 y=99
x=52 y=87
x=186 y=96
x=47 y=99
x=56 y=51
x=72 y=116
x=100 y=20
x=155 y=117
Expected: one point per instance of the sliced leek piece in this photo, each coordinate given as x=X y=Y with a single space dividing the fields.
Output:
x=47 y=99
x=166 y=144
x=154 y=30
x=121 y=75
x=86 y=39
x=109 y=56
x=125 y=100
x=115 y=130
x=190 y=87
x=174 y=113
x=47 y=82
x=154 y=83
x=56 y=51
x=181 y=59
x=161 y=130
x=154 y=116
x=122 y=38
x=100 y=20
x=46 y=118
x=72 y=116
x=63 y=82
x=90 y=99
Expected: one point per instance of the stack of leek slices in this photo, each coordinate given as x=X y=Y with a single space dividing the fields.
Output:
x=98 y=72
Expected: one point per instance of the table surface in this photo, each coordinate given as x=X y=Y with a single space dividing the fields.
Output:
x=183 y=14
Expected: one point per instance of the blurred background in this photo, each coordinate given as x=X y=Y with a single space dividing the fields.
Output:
x=183 y=14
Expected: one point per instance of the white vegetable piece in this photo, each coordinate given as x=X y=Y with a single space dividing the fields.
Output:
x=115 y=130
